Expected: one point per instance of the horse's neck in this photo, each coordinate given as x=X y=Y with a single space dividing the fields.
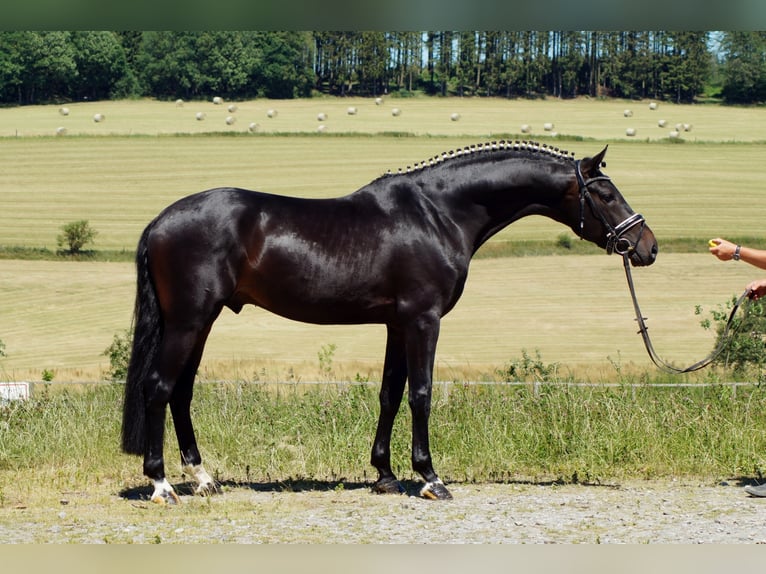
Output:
x=499 y=193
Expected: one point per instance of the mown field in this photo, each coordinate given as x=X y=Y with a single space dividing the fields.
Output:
x=59 y=316
x=61 y=473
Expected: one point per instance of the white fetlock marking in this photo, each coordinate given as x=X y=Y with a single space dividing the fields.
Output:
x=427 y=490
x=164 y=493
x=205 y=483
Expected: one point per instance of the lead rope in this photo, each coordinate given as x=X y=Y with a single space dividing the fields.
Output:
x=644 y=330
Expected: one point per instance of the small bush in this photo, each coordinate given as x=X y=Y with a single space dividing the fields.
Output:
x=564 y=240
x=745 y=349
x=119 y=355
x=75 y=235
x=529 y=369
x=326 y=355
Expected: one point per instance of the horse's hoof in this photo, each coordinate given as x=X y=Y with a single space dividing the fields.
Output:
x=388 y=486
x=435 y=491
x=163 y=493
x=207 y=489
x=164 y=498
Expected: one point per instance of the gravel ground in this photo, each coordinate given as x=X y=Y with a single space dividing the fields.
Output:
x=652 y=512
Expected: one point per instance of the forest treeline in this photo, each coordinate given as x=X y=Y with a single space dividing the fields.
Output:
x=58 y=66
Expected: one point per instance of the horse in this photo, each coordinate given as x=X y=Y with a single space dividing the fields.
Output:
x=394 y=252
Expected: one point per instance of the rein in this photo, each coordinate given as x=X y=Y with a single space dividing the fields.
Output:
x=623 y=246
x=644 y=330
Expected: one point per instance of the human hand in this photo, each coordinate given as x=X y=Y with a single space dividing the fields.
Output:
x=722 y=248
x=756 y=289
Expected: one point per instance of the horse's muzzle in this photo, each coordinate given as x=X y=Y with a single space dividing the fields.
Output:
x=645 y=250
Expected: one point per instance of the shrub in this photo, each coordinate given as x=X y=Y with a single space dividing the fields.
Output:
x=75 y=235
x=119 y=355
x=745 y=350
x=529 y=369
x=564 y=240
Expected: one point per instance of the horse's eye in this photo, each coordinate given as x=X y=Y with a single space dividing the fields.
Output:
x=606 y=196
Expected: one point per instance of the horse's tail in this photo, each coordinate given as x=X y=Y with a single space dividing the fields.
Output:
x=147 y=334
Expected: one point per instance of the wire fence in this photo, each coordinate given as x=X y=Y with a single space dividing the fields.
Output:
x=22 y=390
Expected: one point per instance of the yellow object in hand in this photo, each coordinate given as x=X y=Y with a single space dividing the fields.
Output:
x=711 y=243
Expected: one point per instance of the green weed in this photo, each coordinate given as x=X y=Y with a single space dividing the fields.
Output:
x=61 y=439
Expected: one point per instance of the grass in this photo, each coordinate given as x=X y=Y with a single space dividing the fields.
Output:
x=59 y=315
x=254 y=433
x=565 y=244
x=578 y=119
x=120 y=183
x=526 y=297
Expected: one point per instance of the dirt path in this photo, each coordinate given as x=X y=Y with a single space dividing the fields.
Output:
x=639 y=512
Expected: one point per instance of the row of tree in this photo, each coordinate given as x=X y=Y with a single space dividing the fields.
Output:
x=38 y=67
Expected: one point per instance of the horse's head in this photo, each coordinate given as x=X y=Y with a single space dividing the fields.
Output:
x=606 y=219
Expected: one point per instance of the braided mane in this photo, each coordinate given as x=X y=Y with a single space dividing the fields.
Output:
x=475 y=149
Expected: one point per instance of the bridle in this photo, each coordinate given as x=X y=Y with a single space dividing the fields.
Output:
x=616 y=243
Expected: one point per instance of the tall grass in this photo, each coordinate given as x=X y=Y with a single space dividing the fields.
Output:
x=251 y=433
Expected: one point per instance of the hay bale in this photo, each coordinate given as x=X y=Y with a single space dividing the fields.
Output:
x=218 y=100
x=321 y=117
x=200 y=116
x=455 y=117
x=232 y=108
x=525 y=129
x=396 y=112
x=253 y=127
x=321 y=128
x=653 y=105
x=271 y=113
x=179 y=103
x=61 y=131
x=230 y=120
x=630 y=132
x=378 y=101
x=548 y=127
x=64 y=111
x=98 y=118
x=351 y=111
x=679 y=127
x=687 y=127
x=674 y=134
x=627 y=113
x=661 y=123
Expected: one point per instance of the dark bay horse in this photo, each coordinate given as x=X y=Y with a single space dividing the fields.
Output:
x=394 y=252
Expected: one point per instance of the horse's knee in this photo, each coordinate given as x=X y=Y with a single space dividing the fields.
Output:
x=420 y=402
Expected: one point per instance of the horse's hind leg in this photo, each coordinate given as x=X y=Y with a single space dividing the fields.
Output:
x=177 y=350
x=180 y=404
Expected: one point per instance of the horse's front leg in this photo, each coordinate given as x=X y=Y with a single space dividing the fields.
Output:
x=391 y=392
x=421 y=348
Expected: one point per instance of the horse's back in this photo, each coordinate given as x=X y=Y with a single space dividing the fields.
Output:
x=358 y=258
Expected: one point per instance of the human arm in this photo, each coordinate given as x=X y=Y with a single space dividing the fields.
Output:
x=725 y=251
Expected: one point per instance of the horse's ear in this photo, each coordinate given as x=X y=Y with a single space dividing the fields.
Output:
x=590 y=165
